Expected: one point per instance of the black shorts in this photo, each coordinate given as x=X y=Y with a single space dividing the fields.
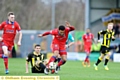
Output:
x=40 y=69
x=104 y=49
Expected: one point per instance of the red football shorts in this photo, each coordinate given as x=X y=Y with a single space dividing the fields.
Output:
x=87 y=49
x=8 y=44
x=61 y=49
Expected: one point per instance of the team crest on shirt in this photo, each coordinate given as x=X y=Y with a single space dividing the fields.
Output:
x=12 y=26
x=56 y=45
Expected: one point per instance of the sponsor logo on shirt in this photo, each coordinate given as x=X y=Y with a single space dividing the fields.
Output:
x=10 y=31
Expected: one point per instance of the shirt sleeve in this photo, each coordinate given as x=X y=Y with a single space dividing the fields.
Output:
x=49 y=33
x=113 y=33
x=71 y=38
x=1 y=25
x=101 y=32
x=71 y=28
x=18 y=27
x=83 y=38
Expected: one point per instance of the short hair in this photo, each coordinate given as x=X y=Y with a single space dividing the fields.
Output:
x=110 y=23
x=37 y=45
x=61 y=27
x=10 y=13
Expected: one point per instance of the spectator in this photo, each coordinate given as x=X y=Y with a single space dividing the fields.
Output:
x=113 y=49
x=119 y=30
x=116 y=29
x=118 y=51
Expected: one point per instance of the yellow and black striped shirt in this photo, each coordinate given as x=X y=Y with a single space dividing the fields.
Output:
x=33 y=57
x=107 y=37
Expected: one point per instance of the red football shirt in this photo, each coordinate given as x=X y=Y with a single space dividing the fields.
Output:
x=9 y=30
x=58 y=39
x=87 y=39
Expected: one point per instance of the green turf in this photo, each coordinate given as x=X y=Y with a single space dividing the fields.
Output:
x=72 y=70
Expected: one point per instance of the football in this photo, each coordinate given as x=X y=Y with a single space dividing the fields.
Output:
x=52 y=65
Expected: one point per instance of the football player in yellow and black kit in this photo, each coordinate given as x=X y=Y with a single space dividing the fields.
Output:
x=108 y=35
x=36 y=59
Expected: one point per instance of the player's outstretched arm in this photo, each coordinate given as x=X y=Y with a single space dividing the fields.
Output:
x=68 y=25
x=27 y=71
x=39 y=35
x=44 y=34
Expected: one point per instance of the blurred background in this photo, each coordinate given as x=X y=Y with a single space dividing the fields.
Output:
x=38 y=16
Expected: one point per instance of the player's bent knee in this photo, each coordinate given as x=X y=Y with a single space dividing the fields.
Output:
x=56 y=52
x=42 y=65
x=64 y=59
x=5 y=50
x=6 y=55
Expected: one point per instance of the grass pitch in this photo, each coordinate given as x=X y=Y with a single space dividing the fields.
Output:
x=72 y=70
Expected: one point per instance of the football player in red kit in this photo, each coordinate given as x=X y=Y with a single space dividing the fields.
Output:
x=58 y=44
x=88 y=37
x=9 y=27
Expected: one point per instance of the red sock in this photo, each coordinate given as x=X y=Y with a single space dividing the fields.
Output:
x=88 y=61
x=6 y=62
x=52 y=59
x=61 y=62
x=85 y=60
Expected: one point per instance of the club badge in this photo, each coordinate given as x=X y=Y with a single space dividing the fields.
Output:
x=12 y=26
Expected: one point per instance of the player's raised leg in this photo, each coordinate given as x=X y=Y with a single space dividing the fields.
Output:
x=55 y=50
x=52 y=59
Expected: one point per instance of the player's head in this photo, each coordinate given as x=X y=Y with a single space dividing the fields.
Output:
x=87 y=30
x=37 y=48
x=110 y=26
x=11 y=16
x=61 y=29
